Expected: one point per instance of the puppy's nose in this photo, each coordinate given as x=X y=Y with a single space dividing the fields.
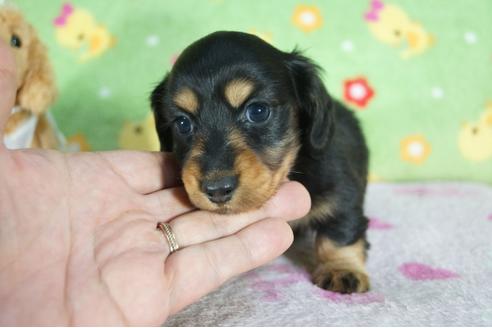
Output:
x=220 y=190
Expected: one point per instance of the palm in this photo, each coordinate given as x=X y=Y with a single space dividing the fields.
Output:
x=92 y=263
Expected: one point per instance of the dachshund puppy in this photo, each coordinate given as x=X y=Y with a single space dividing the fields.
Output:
x=241 y=117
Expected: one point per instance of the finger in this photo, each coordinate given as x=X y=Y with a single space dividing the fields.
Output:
x=197 y=270
x=7 y=85
x=138 y=229
x=291 y=202
x=145 y=172
x=167 y=204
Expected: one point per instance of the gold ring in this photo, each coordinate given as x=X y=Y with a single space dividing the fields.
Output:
x=170 y=237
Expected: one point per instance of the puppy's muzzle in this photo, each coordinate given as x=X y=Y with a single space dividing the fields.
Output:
x=220 y=190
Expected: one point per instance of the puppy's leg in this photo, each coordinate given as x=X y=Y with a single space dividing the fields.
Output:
x=341 y=256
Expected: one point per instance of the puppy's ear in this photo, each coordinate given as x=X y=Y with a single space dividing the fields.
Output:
x=315 y=104
x=162 y=126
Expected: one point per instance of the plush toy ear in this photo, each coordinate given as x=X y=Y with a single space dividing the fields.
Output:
x=315 y=105
x=38 y=89
x=162 y=126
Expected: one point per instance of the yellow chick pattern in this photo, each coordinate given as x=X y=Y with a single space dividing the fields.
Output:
x=139 y=135
x=392 y=26
x=77 y=29
x=475 y=139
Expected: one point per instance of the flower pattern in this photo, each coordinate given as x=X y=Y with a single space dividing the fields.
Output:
x=307 y=18
x=415 y=149
x=358 y=92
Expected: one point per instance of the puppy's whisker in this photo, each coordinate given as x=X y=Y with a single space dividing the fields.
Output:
x=297 y=172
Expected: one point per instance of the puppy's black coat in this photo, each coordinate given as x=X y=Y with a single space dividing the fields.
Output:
x=241 y=116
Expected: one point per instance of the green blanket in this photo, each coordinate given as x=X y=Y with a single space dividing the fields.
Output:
x=417 y=73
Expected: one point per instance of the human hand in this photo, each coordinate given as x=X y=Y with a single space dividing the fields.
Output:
x=78 y=238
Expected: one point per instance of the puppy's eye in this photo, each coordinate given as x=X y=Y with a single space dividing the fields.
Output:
x=257 y=112
x=15 y=41
x=183 y=125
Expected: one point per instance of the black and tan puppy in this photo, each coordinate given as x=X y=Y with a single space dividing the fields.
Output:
x=241 y=117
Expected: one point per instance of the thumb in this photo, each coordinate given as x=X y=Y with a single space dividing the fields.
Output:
x=8 y=87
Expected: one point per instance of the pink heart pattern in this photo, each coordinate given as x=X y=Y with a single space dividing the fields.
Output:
x=364 y=298
x=377 y=224
x=419 y=271
x=270 y=290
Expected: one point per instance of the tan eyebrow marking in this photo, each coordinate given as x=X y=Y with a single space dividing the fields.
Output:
x=237 y=91
x=187 y=100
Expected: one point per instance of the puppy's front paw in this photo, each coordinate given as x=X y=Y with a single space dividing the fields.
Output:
x=343 y=281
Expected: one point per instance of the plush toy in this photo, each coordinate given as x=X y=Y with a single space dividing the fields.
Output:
x=30 y=124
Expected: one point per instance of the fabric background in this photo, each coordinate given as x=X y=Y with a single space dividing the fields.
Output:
x=430 y=264
x=414 y=110
x=418 y=74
